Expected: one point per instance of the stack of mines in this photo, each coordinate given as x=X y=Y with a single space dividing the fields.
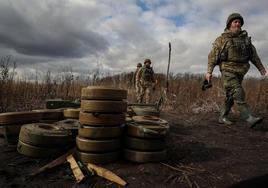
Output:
x=145 y=140
x=102 y=118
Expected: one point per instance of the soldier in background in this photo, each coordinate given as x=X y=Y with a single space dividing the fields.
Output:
x=232 y=51
x=146 y=79
x=137 y=82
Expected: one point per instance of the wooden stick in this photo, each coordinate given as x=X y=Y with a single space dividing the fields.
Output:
x=60 y=160
x=79 y=176
x=107 y=174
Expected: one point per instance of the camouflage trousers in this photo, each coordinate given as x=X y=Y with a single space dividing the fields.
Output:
x=138 y=92
x=146 y=92
x=235 y=94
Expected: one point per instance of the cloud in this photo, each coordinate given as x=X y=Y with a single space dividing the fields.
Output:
x=47 y=31
x=116 y=35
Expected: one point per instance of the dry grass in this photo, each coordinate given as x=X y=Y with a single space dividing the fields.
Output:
x=185 y=94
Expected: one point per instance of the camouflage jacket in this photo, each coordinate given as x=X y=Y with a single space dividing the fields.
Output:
x=146 y=75
x=222 y=44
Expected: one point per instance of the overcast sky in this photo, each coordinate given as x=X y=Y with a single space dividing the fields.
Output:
x=114 y=35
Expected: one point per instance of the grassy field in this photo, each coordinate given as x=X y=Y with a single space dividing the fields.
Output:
x=184 y=94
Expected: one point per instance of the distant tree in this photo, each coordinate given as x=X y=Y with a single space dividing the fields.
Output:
x=7 y=74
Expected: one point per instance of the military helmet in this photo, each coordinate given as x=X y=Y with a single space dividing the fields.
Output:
x=139 y=65
x=147 y=61
x=232 y=17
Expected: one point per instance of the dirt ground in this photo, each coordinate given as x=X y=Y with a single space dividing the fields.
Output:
x=201 y=153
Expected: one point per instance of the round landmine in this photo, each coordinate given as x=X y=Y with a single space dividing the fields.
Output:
x=101 y=119
x=39 y=152
x=50 y=114
x=145 y=144
x=145 y=111
x=144 y=156
x=71 y=113
x=149 y=120
x=45 y=135
x=101 y=146
x=103 y=93
x=19 y=117
x=97 y=158
x=147 y=131
x=69 y=124
x=90 y=132
x=104 y=106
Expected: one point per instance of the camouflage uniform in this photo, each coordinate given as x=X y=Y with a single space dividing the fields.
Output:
x=137 y=82
x=146 y=79
x=232 y=52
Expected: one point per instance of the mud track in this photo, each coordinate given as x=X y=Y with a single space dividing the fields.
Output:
x=201 y=153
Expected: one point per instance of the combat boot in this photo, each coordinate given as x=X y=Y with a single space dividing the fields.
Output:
x=225 y=120
x=225 y=109
x=247 y=116
x=253 y=121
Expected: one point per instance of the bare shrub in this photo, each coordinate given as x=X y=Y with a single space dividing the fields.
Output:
x=184 y=94
x=7 y=73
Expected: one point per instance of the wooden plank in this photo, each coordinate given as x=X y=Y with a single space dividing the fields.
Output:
x=60 y=160
x=107 y=174
x=79 y=176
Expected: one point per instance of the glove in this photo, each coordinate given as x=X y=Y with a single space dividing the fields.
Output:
x=206 y=85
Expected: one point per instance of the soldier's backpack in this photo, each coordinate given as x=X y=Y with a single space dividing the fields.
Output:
x=147 y=73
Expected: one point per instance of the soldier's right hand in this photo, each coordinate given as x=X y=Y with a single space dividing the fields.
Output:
x=208 y=77
x=263 y=72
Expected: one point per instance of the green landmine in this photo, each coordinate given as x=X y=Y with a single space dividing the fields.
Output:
x=145 y=110
x=146 y=131
x=39 y=152
x=103 y=93
x=98 y=158
x=104 y=106
x=69 y=124
x=99 y=132
x=100 y=146
x=149 y=120
x=144 y=144
x=50 y=114
x=101 y=119
x=144 y=156
x=45 y=135
x=71 y=113
x=59 y=103
x=19 y=117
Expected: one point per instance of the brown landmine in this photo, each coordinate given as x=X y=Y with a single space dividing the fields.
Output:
x=103 y=93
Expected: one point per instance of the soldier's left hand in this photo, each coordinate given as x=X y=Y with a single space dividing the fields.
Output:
x=208 y=77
